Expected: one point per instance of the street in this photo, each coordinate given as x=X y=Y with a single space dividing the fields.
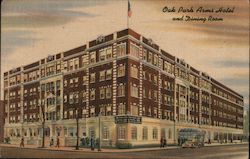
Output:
x=214 y=152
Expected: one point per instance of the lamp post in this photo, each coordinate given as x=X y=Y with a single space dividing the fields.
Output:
x=99 y=145
x=43 y=126
x=174 y=133
x=77 y=129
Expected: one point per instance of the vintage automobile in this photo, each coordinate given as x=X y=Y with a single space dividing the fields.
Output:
x=191 y=138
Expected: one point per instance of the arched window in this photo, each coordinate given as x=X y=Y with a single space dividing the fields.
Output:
x=105 y=133
x=92 y=132
x=121 y=132
x=134 y=133
x=155 y=134
x=163 y=133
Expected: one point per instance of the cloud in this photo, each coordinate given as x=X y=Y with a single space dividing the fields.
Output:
x=231 y=63
x=14 y=39
x=34 y=14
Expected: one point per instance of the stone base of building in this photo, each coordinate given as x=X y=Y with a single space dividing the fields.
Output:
x=127 y=135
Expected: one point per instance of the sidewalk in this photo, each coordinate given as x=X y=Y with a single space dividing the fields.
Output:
x=111 y=150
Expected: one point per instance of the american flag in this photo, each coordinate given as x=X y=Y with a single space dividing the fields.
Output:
x=129 y=10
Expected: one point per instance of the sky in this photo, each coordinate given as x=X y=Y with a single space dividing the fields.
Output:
x=33 y=29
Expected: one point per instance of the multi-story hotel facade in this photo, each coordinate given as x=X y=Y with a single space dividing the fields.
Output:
x=139 y=92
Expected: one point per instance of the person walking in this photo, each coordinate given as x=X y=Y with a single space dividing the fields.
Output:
x=51 y=142
x=161 y=143
x=22 y=142
x=92 y=143
x=58 y=142
x=209 y=141
x=165 y=142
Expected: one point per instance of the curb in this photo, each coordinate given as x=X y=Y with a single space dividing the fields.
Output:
x=116 y=150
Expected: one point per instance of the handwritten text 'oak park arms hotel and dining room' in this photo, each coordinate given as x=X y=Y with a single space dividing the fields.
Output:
x=186 y=13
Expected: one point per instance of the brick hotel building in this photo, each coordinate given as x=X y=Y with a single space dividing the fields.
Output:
x=114 y=77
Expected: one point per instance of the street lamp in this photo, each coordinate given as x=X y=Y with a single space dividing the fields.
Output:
x=99 y=145
x=77 y=129
x=174 y=133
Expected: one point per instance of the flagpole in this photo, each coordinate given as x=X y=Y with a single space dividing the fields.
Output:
x=127 y=16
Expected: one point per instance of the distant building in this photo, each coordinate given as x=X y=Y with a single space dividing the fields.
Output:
x=246 y=123
x=142 y=92
x=2 y=117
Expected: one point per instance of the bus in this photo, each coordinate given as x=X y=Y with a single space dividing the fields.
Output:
x=192 y=138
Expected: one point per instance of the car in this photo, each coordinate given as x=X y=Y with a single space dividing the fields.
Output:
x=192 y=144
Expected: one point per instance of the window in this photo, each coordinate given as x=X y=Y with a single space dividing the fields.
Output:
x=92 y=95
x=76 y=63
x=92 y=132
x=134 y=91
x=134 y=110
x=109 y=52
x=71 y=64
x=155 y=79
x=144 y=133
x=155 y=134
x=121 y=49
x=109 y=74
x=65 y=98
x=134 y=72
x=102 y=109
x=102 y=75
x=144 y=54
x=121 y=132
x=102 y=55
x=134 y=50
x=105 y=131
x=121 y=70
x=134 y=133
x=102 y=93
x=121 y=109
x=84 y=61
x=163 y=133
x=150 y=57
x=84 y=96
x=85 y=80
x=92 y=78
x=121 y=91
x=144 y=93
x=92 y=56
x=161 y=63
x=108 y=109
x=71 y=131
x=92 y=112
x=71 y=98
x=108 y=92
x=155 y=60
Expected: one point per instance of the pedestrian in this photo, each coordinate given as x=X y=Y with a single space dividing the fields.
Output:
x=92 y=143
x=161 y=142
x=165 y=142
x=231 y=140
x=22 y=142
x=51 y=142
x=209 y=141
x=58 y=142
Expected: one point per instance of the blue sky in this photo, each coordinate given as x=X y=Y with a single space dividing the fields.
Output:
x=33 y=29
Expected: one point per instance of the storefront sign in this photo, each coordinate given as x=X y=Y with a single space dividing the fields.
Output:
x=128 y=119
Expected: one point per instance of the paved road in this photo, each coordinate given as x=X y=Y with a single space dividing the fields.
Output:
x=215 y=152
